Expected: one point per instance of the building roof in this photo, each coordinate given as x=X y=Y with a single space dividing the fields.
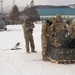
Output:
x=54 y=11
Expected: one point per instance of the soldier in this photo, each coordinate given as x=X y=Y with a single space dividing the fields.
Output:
x=68 y=20
x=71 y=30
x=28 y=30
x=58 y=26
x=51 y=38
x=45 y=38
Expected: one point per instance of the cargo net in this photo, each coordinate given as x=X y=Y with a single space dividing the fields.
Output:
x=65 y=53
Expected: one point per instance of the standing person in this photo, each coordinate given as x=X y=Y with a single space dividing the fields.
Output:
x=71 y=30
x=57 y=28
x=45 y=38
x=28 y=30
x=68 y=21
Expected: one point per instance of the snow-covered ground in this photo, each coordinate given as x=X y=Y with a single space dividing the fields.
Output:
x=18 y=62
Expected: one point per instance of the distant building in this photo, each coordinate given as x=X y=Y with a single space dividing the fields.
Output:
x=45 y=13
x=72 y=5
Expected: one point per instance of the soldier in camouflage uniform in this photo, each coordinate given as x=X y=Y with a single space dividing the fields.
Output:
x=56 y=29
x=71 y=30
x=68 y=21
x=51 y=38
x=46 y=32
x=28 y=30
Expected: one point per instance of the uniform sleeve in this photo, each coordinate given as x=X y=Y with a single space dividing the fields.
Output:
x=65 y=26
x=28 y=27
x=32 y=25
x=44 y=29
x=70 y=29
x=23 y=26
x=52 y=29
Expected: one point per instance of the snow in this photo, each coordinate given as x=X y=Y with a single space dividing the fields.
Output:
x=18 y=62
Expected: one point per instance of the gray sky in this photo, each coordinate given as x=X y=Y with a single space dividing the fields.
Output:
x=38 y=2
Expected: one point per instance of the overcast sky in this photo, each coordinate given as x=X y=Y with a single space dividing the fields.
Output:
x=38 y=2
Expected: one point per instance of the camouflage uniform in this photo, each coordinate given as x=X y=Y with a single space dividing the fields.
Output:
x=68 y=21
x=57 y=28
x=52 y=19
x=28 y=29
x=51 y=38
x=71 y=30
x=46 y=32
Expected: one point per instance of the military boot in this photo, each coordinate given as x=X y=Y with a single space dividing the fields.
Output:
x=28 y=51
x=33 y=51
x=45 y=58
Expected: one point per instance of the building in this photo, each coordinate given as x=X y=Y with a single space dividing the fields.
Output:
x=45 y=13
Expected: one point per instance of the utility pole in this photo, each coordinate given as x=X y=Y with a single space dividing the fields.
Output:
x=13 y=3
x=1 y=6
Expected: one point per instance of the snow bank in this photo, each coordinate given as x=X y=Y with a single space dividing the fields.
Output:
x=18 y=62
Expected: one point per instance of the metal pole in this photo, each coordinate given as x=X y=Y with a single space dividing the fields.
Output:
x=1 y=6
x=13 y=2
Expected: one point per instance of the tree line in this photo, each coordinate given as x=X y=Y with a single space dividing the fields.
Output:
x=17 y=17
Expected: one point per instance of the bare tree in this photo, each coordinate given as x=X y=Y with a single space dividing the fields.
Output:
x=14 y=15
x=32 y=13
